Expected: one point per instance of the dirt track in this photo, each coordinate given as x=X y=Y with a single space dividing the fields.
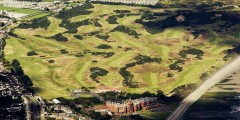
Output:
x=224 y=72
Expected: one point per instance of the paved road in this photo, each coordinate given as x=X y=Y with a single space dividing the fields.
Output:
x=226 y=71
x=28 y=111
x=34 y=108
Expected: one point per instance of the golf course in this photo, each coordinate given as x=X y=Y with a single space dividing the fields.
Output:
x=126 y=47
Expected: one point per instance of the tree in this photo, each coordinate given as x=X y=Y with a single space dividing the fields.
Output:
x=17 y=68
x=15 y=63
x=94 y=115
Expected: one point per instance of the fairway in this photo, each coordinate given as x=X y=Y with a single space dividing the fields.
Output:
x=91 y=38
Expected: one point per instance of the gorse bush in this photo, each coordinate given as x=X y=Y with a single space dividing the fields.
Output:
x=36 y=23
x=96 y=71
x=112 y=20
x=126 y=30
x=104 y=46
x=140 y=59
x=59 y=37
x=79 y=37
x=31 y=53
x=199 y=53
x=104 y=37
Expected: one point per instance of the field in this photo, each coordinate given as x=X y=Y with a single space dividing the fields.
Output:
x=64 y=61
x=33 y=14
x=19 y=10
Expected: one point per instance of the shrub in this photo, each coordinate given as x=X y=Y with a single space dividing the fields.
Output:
x=140 y=59
x=67 y=14
x=78 y=37
x=192 y=51
x=104 y=37
x=93 y=33
x=126 y=75
x=121 y=11
x=104 y=54
x=64 y=51
x=59 y=37
x=104 y=46
x=31 y=53
x=175 y=67
x=126 y=30
x=26 y=80
x=96 y=71
x=17 y=67
x=36 y=23
x=169 y=75
x=112 y=20
x=51 y=61
x=203 y=76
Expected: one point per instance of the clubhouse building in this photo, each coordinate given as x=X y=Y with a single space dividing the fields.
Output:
x=131 y=106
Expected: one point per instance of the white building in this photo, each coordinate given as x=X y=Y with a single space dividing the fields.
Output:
x=136 y=2
x=56 y=101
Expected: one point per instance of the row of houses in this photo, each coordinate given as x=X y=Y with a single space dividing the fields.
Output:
x=10 y=85
x=135 y=2
x=11 y=90
x=30 y=5
x=62 y=112
x=104 y=89
x=12 y=111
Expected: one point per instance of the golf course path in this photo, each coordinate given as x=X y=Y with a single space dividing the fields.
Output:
x=224 y=72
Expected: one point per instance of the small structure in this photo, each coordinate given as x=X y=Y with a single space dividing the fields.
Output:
x=180 y=18
x=56 y=101
x=105 y=89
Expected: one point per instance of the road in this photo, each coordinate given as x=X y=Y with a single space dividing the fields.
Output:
x=224 y=72
x=35 y=109
x=28 y=111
